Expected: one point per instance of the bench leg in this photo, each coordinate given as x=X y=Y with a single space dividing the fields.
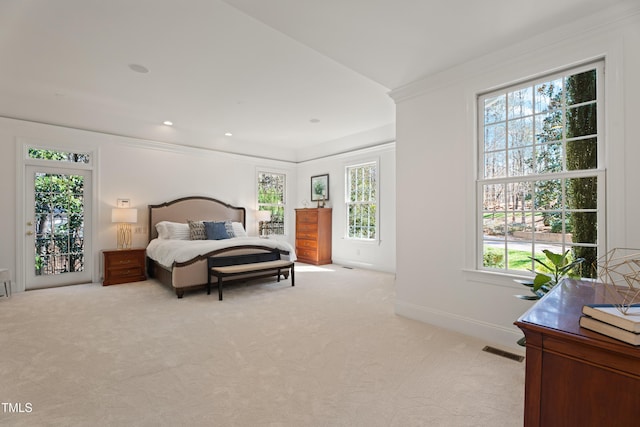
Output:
x=209 y=283
x=279 y=270
x=219 y=288
x=293 y=276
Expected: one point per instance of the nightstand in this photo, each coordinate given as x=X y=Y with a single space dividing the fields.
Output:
x=123 y=266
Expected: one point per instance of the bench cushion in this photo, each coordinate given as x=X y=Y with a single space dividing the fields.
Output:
x=246 y=268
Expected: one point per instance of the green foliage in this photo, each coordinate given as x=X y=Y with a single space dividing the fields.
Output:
x=318 y=188
x=558 y=267
x=493 y=257
x=35 y=153
x=59 y=223
x=271 y=188
x=553 y=269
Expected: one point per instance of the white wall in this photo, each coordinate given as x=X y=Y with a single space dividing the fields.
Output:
x=436 y=144
x=380 y=255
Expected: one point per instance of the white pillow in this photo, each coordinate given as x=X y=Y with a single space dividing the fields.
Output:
x=161 y=228
x=238 y=229
x=173 y=230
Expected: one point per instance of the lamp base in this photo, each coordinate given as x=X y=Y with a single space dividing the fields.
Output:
x=124 y=236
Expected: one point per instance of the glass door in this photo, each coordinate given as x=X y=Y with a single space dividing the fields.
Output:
x=57 y=229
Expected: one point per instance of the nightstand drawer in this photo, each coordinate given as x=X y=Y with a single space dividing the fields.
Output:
x=124 y=273
x=124 y=259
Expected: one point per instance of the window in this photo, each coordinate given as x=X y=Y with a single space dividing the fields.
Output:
x=271 y=197
x=362 y=201
x=61 y=156
x=541 y=182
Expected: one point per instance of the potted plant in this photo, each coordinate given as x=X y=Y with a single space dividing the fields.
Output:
x=556 y=268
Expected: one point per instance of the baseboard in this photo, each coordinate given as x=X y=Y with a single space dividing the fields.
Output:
x=491 y=333
x=363 y=265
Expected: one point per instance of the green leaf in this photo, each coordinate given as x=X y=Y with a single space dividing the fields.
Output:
x=540 y=280
x=556 y=259
x=542 y=264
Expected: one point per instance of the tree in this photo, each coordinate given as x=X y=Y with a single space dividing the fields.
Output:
x=582 y=154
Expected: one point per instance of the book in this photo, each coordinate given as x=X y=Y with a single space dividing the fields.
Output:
x=609 y=330
x=608 y=313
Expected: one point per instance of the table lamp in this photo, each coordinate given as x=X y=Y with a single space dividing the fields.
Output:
x=124 y=218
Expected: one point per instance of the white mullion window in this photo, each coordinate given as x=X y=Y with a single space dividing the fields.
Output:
x=361 y=201
x=541 y=178
x=272 y=192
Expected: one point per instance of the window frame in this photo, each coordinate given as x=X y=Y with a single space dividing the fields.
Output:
x=283 y=205
x=599 y=172
x=347 y=202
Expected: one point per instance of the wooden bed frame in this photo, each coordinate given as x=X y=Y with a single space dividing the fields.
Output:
x=192 y=274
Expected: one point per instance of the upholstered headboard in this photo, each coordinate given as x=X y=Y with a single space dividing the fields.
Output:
x=193 y=208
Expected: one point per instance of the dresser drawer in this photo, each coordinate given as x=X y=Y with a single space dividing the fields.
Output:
x=307 y=216
x=307 y=227
x=302 y=243
x=312 y=235
x=306 y=254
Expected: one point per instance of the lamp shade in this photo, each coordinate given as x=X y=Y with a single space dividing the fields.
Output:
x=263 y=216
x=124 y=215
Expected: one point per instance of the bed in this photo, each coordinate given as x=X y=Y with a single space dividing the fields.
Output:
x=180 y=262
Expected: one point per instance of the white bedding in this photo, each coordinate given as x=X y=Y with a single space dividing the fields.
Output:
x=166 y=252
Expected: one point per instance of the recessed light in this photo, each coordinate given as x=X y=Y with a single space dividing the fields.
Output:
x=167 y=123
x=139 y=68
x=228 y=134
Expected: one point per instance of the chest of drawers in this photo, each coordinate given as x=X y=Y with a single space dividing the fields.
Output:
x=313 y=235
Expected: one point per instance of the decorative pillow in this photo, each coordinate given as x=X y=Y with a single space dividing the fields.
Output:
x=197 y=230
x=238 y=229
x=172 y=230
x=216 y=230
x=228 y=225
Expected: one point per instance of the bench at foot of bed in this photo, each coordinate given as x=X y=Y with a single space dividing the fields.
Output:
x=243 y=269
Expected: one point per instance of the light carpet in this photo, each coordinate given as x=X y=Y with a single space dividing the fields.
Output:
x=328 y=352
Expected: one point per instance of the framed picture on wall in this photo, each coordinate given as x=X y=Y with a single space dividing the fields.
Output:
x=319 y=187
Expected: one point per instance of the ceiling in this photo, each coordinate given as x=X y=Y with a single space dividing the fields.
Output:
x=290 y=79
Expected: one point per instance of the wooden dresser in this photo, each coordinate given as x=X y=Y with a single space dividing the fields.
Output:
x=124 y=266
x=313 y=235
x=576 y=377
